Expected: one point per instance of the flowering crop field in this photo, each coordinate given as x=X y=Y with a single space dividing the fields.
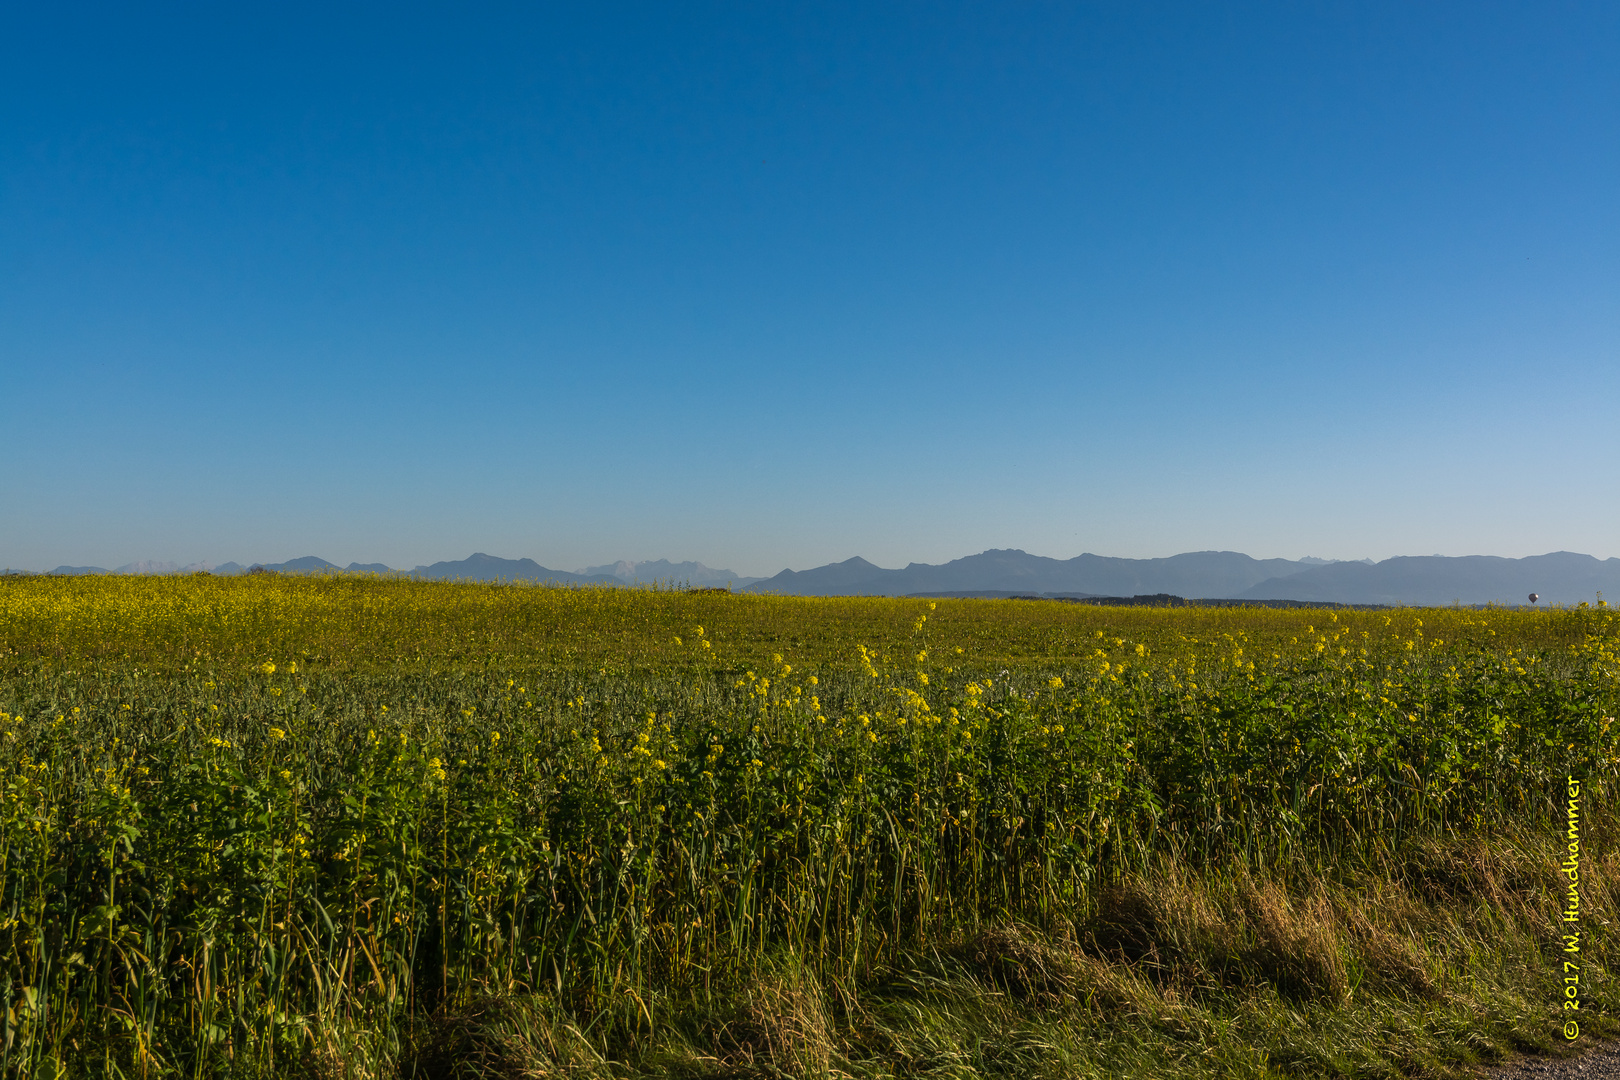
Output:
x=345 y=826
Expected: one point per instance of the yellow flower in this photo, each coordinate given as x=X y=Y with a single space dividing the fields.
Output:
x=277 y=734
x=268 y=668
x=1055 y=683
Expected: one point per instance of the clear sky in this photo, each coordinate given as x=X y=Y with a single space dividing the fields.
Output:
x=764 y=286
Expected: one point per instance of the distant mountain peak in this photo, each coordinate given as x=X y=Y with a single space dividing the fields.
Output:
x=148 y=566
x=648 y=571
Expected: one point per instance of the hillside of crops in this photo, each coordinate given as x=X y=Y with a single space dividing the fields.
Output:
x=358 y=827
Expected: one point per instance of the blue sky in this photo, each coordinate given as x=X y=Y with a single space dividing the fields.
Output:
x=767 y=286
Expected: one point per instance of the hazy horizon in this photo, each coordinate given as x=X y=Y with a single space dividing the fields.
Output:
x=605 y=567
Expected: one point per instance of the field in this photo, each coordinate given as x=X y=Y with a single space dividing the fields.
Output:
x=350 y=827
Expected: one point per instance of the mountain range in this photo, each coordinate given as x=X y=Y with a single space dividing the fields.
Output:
x=477 y=567
x=1013 y=572
x=1561 y=577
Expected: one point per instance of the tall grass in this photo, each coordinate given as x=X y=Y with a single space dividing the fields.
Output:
x=372 y=828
